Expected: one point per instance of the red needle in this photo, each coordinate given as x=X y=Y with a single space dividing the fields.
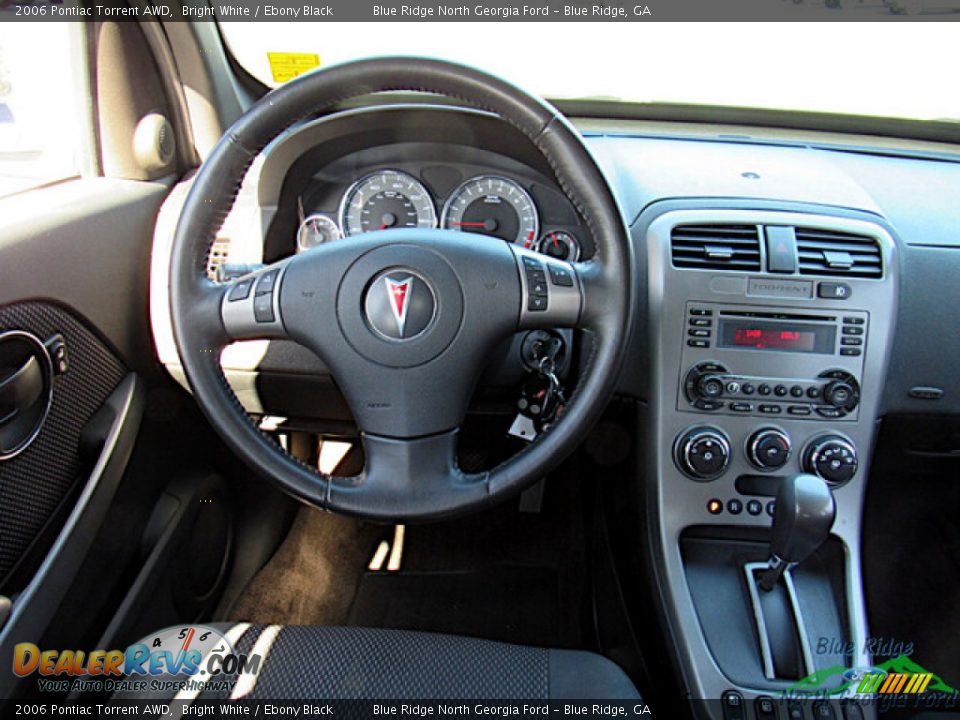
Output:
x=556 y=243
x=469 y=224
x=384 y=226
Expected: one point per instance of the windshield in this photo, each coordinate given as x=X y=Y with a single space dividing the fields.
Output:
x=889 y=70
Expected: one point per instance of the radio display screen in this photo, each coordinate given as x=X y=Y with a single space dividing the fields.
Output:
x=785 y=337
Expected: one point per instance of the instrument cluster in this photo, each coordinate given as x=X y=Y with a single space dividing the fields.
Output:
x=489 y=205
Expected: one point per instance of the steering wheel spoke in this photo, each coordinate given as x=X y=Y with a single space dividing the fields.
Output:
x=250 y=306
x=404 y=477
x=551 y=291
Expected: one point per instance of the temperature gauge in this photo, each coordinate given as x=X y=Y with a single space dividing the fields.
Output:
x=316 y=230
x=560 y=244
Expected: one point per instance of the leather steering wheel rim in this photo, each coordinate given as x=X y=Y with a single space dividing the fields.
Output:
x=407 y=478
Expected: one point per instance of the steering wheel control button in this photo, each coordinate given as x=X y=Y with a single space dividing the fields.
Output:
x=399 y=304
x=560 y=275
x=536 y=284
x=833 y=291
x=714 y=506
x=831 y=457
x=263 y=308
x=240 y=290
x=537 y=303
x=754 y=507
x=735 y=506
x=769 y=449
x=703 y=453
x=267 y=282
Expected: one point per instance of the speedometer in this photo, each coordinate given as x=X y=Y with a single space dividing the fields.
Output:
x=386 y=199
x=495 y=206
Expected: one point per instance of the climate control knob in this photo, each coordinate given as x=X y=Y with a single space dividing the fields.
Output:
x=832 y=457
x=769 y=449
x=703 y=453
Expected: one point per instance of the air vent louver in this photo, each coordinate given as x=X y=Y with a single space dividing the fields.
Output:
x=716 y=247
x=827 y=252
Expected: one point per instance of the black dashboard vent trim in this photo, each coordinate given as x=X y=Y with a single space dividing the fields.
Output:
x=716 y=247
x=836 y=253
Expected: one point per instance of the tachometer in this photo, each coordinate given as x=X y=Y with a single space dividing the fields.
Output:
x=494 y=206
x=316 y=230
x=386 y=199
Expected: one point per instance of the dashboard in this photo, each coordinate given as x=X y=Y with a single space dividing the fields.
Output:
x=795 y=288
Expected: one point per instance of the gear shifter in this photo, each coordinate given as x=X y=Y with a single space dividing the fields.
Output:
x=805 y=511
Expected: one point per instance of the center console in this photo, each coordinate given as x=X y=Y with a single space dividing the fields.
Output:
x=772 y=330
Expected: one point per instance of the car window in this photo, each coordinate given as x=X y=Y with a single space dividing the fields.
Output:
x=41 y=126
x=880 y=70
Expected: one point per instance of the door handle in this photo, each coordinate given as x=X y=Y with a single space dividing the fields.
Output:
x=20 y=389
x=26 y=390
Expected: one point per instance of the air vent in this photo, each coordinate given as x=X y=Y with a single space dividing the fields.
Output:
x=716 y=247
x=827 y=252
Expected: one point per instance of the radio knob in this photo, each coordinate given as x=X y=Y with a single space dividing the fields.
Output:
x=769 y=449
x=840 y=394
x=831 y=457
x=710 y=387
x=703 y=453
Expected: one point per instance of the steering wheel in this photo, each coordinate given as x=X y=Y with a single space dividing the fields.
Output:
x=405 y=319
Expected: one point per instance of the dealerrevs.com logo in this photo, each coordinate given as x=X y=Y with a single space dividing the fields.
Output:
x=193 y=653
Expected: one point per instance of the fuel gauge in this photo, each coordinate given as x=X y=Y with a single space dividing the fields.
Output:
x=560 y=244
x=316 y=230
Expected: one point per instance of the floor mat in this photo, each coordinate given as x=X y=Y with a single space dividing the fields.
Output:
x=312 y=578
x=511 y=603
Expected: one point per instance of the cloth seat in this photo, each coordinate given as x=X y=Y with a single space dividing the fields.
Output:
x=301 y=663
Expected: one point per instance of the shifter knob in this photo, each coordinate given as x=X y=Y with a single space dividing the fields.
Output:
x=805 y=511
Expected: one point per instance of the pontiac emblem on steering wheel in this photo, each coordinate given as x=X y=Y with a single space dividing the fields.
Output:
x=399 y=304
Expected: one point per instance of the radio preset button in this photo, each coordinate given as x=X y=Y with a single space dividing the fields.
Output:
x=813 y=392
x=764 y=389
x=780 y=390
x=853 y=321
x=829 y=412
x=796 y=391
x=851 y=341
x=748 y=389
x=852 y=330
x=850 y=352
x=701 y=322
x=733 y=387
x=698 y=332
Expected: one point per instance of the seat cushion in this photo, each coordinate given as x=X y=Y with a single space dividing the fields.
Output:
x=301 y=662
